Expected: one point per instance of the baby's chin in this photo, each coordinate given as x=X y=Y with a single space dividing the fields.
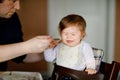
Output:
x=71 y=45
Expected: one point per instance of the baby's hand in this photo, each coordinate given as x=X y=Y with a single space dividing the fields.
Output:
x=91 y=71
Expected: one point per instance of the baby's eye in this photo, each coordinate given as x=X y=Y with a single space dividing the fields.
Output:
x=73 y=34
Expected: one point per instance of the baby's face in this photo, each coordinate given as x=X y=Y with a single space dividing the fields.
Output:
x=71 y=36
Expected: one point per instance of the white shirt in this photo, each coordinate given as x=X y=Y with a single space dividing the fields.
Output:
x=77 y=57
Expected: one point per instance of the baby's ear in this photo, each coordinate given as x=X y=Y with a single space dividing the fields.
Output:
x=83 y=34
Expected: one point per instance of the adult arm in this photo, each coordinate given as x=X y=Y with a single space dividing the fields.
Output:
x=34 y=45
x=30 y=58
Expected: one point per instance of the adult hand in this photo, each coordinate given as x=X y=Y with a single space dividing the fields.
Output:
x=54 y=42
x=37 y=44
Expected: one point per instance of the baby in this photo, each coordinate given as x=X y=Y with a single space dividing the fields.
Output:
x=72 y=51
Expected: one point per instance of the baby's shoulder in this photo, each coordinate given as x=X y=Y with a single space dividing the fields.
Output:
x=84 y=44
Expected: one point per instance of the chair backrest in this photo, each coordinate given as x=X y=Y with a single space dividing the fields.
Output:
x=98 y=55
x=110 y=71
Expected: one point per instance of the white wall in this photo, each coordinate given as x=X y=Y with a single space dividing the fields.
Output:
x=99 y=15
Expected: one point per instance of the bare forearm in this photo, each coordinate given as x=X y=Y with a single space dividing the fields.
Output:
x=11 y=51
x=35 y=45
x=31 y=58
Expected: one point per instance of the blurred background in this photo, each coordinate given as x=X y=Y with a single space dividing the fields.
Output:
x=41 y=17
